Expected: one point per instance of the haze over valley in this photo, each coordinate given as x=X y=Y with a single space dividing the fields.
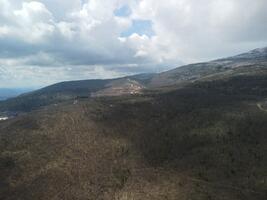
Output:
x=6 y=93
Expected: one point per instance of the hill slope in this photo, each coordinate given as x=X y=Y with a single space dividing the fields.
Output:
x=68 y=91
x=199 y=138
x=8 y=93
x=250 y=63
x=203 y=141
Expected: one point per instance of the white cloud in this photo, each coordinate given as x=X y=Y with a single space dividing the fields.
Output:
x=57 y=35
x=30 y=23
x=36 y=76
x=199 y=30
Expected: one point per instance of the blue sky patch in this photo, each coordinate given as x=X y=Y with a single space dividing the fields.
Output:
x=141 y=27
x=123 y=11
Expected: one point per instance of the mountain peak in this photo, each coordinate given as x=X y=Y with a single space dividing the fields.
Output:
x=254 y=54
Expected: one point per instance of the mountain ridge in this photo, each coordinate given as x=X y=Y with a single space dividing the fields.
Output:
x=252 y=62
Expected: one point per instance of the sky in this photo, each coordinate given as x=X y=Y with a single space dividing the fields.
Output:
x=48 y=41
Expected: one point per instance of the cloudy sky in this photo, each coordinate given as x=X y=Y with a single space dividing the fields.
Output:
x=47 y=41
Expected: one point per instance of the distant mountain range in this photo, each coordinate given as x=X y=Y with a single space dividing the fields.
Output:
x=250 y=63
x=6 y=93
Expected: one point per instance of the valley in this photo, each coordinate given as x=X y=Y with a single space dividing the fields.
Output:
x=197 y=132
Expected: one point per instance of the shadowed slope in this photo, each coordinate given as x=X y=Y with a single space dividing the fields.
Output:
x=198 y=138
x=199 y=142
